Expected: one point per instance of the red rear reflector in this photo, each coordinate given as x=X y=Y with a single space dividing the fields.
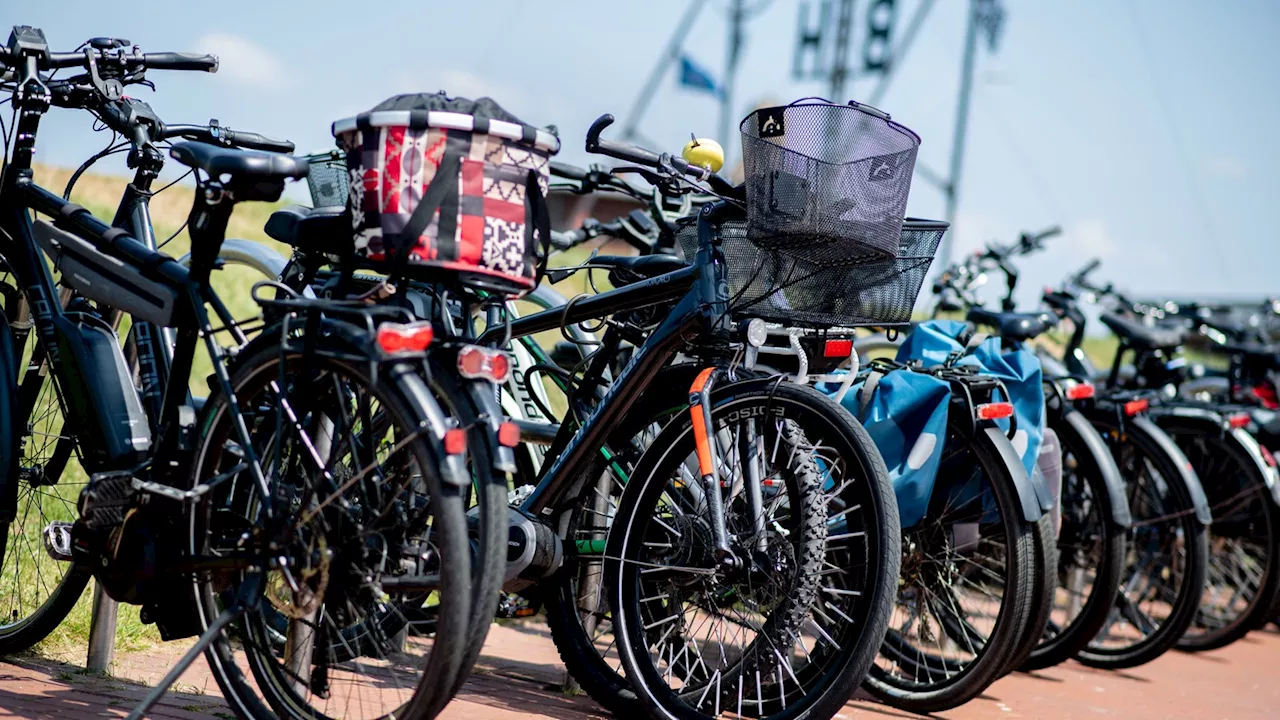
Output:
x=475 y=363
x=1133 y=407
x=397 y=338
x=1082 y=391
x=995 y=411
x=1267 y=456
x=1238 y=420
x=508 y=434
x=455 y=441
x=838 y=348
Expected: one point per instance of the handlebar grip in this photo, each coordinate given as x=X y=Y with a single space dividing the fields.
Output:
x=254 y=141
x=1049 y=232
x=619 y=150
x=1093 y=265
x=180 y=61
x=567 y=171
x=566 y=240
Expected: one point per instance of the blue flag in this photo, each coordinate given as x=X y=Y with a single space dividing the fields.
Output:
x=696 y=77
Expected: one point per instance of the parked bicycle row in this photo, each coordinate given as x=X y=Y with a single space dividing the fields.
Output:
x=722 y=494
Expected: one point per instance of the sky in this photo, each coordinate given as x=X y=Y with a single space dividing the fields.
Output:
x=1143 y=127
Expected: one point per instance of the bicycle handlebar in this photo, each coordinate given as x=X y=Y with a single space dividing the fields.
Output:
x=636 y=154
x=219 y=135
x=131 y=61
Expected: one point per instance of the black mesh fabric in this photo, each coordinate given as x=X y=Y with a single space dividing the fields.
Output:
x=779 y=286
x=327 y=181
x=827 y=183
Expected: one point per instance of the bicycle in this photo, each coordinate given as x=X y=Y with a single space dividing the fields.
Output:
x=1244 y=539
x=146 y=519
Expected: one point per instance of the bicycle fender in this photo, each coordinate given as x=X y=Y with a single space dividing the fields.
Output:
x=1270 y=475
x=1076 y=424
x=9 y=436
x=1189 y=478
x=992 y=441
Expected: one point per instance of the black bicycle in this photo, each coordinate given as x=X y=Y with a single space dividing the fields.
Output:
x=314 y=483
x=1243 y=579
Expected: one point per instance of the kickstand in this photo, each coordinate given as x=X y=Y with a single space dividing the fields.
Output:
x=247 y=590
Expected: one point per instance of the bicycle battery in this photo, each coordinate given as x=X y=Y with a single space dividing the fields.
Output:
x=103 y=278
x=101 y=401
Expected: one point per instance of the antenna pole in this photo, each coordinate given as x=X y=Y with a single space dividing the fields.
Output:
x=730 y=72
x=961 y=128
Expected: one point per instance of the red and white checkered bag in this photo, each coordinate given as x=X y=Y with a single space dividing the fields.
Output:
x=449 y=184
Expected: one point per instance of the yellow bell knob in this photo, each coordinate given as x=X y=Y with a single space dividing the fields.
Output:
x=704 y=153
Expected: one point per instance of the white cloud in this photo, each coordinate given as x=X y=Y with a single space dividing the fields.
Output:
x=245 y=62
x=1091 y=239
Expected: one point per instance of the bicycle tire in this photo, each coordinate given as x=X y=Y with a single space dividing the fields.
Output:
x=1213 y=453
x=1045 y=548
x=563 y=603
x=1083 y=471
x=1142 y=441
x=1020 y=581
x=24 y=624
x=257 y=366
x=877 y=513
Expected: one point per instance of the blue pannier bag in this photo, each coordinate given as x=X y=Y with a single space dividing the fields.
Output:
x=906 y=414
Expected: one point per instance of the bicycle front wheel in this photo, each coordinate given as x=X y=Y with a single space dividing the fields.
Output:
x=791 y=631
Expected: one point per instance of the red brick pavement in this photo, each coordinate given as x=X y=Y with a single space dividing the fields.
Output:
x=517 y=677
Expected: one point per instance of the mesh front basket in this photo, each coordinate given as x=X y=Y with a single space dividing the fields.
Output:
x=327 y=179
x=827 y=183
x=780 y=287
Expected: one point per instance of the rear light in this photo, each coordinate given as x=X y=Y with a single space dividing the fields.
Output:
x=838 y=348
x=508 y=434
x=455 y=441
x=397 y=338
x=477 y=363
x=1081 y=391
x=995 y=411
x=1238 y=420
x=1133 y=407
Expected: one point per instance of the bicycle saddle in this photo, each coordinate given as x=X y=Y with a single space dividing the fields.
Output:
x=1013 y=325
x=325 y=229
x=242 y=165
x=1141 y=336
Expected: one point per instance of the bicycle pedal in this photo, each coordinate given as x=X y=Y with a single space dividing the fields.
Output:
x=170 y=492
x=57 y=540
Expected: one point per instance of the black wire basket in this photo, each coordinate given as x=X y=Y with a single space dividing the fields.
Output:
x=826 y=182
x=782 y=287
x=327 y=178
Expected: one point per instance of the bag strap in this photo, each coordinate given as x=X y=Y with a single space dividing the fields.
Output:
x=868 y=390
x=539 y=215
x=445 y=182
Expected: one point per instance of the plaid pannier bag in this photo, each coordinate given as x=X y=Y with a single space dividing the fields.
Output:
x=449 y=184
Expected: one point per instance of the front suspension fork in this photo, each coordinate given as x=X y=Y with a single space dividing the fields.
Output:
x=704 y=434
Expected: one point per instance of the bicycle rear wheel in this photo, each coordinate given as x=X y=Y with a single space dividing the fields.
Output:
x=1091 y=546
x=970 y=572
x=355 y=473
x=1168 y=557
x=1244 y=539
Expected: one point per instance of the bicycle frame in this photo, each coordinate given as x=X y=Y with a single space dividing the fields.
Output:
x=18 y=193
x=702 y=292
